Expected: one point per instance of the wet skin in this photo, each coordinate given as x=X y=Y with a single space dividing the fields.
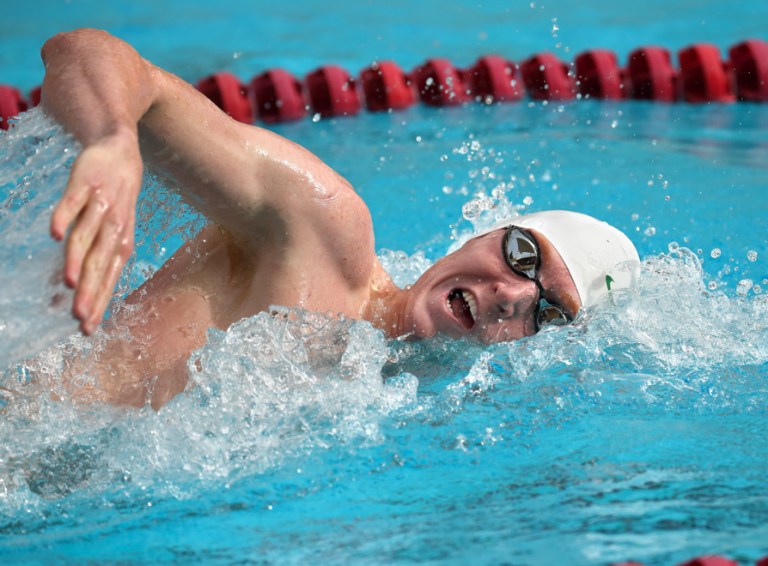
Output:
x=474 y=294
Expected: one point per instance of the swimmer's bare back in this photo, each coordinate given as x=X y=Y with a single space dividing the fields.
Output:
x=285 y=230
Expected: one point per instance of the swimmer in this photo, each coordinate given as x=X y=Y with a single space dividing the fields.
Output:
x=285 y=229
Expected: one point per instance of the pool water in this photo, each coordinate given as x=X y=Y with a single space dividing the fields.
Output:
x=637 y=433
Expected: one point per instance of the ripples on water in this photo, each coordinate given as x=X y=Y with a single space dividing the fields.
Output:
x=284 y=390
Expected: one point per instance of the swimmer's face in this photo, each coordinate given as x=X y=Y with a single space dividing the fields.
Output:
x=473 y=293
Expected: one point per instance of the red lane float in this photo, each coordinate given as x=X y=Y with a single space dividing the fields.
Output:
x=277 y=96
x=386 y=87
x=439 y=83
x=651 y=75
x=229 y=94
x=703 y=75
x=11 y=104
x=493 y=79
x=710 y=561
x=35 y=95
x=332 y=92
x=546 y=78
x=598 y=75
x=749 y=64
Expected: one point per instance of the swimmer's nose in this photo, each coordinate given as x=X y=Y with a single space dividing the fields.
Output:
x=516 y=298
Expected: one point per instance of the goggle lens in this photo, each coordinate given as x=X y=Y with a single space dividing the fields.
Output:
x=521 y=253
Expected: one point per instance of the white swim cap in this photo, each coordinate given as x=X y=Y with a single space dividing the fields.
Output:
x=599 y=257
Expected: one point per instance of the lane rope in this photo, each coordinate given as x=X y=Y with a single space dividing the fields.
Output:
x=275 y=95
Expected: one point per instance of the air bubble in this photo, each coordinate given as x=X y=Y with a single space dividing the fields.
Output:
x=650 y=231
x=752 y=255
x=715 y=253
x=712 y=285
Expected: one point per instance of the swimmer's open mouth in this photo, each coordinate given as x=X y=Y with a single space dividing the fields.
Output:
x=463 y=307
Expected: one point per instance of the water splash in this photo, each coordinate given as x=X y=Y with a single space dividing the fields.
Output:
x=287 y=390
x=274 y=388
x=35 y=157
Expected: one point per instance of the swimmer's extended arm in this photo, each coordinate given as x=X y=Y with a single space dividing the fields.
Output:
x=261 y=187
x=98 y=205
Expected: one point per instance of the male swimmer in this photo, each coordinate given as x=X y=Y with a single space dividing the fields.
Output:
x=285 y=230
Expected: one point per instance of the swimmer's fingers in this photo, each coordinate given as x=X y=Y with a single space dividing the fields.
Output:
x=82 y=237
x=98 y=208
x=101 y=270
x=104 y=182
x=75 y=197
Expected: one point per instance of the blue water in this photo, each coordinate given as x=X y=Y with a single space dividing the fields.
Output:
x=638 y=436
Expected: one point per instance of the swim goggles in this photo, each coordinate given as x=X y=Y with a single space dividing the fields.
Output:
x=521 y=252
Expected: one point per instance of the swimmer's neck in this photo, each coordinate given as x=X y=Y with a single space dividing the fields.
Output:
x=386 y=305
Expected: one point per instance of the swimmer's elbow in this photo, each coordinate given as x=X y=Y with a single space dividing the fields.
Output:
x=64 y=41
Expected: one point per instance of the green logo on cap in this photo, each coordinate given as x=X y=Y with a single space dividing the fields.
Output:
x=608 y=281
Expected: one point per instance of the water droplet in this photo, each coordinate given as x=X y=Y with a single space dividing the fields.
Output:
x=715 y=253
x=528 y=201
x=650 y=231
x=635 y=217
x=316 y=117
x=743 y=287
x=752 y=255
x=471 y=209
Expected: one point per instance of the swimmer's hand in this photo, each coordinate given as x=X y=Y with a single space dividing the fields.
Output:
x=99 y=208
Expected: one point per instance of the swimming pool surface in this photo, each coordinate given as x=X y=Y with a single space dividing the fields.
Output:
x=638 y=433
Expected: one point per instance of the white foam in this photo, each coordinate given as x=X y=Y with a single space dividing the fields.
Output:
x=34 y=304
